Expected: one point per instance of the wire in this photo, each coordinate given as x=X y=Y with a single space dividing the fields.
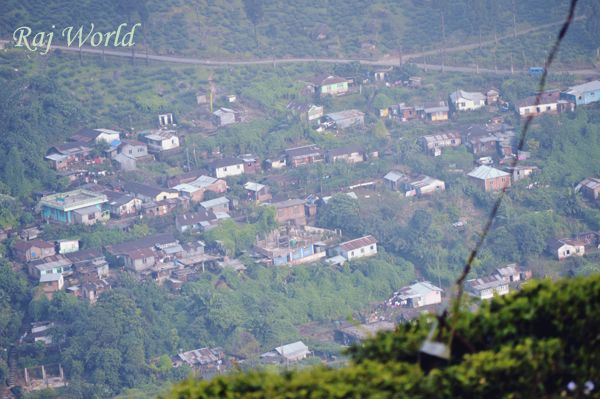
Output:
x=473 y=255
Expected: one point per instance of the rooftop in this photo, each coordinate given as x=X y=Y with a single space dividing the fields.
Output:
x=292 y=349
x=227 y=161
x=487 y=282
x=196 y=217
x=160 y=135
x=364 y=331
x=215 y=202
x=589 y=86
x=302 y=151
x=73 y=200
x=417 y=290
x=485 y=172
x=468 y=95
x=358 y=243
x=251 y=186
x=347 y=114
x=347 y=149
x=394 y=176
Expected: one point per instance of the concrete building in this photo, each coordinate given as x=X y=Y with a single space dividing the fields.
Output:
x=467 y=101
x=486 y=287
x=416 y=295
x=358 y=248
x=490 y=179
x=583 y=94
x=226 y=167
x=74 y=207
x=161 y=140
x=346 y=119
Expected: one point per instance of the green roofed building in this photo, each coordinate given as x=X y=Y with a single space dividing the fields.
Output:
x=74 y=207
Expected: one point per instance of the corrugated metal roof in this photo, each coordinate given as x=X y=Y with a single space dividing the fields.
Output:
x=485 y=172
x=580 y=89
x=358 y=243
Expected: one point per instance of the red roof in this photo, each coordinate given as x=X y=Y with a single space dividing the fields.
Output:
x=140 y=253
x=25 y=245
x=358 y=243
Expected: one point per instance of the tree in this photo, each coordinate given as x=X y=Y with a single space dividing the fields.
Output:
x=14 y=173
x=341 y=212
x=254 y=12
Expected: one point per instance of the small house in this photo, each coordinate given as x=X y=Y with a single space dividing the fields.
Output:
x=564 y=248
x=257 y=192
x=583 y=94
x=416 y=295
x=550 y=102
x=139 y=259
x=346 y=119
x=123 y=205
x=304 y=155
x=226 y=167
x=293 y=352
x=358 y=248
x=308 y=112
x=66 y=246
x=220 y=204
x=394 y=180
x=467 y=101
x=486 y=287
x=27 y=251
x=490 y=179
x=351 y=335
x=134 y=149
x=161 y=140
x=590 y=188
x=423 y=185
x=329 y=85
x=196 y=221
x=290 y=211
x=226 y=116
x=433 y=144
x=352 y=153
x=96 y=136
x=149 y=193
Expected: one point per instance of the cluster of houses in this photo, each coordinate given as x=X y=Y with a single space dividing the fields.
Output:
x=556 y=101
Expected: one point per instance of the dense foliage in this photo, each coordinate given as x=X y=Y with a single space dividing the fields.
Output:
x=280 y=28
x=117 y=343
x=530 y=344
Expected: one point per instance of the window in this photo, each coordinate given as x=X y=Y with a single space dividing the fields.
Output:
x=131 y=151
x=352 y=253
x=372 y=247
x=548 y=108
x=225 y=169
x=362 y=250
x=538 y=109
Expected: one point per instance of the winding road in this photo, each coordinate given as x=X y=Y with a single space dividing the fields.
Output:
x=385 y=61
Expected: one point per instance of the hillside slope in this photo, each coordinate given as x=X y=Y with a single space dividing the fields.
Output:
x=527 y=345
x=251 y=28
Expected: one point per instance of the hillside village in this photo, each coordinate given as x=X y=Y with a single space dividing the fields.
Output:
x=184 y=212
x=235 y=188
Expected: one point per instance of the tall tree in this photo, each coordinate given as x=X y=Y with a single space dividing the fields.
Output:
x=255 y=13
x=14 y=173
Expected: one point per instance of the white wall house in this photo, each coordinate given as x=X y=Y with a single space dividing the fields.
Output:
x=358 y=248
x=467 y=101
x=161 y=140
x=226 y=167
x=486 y=287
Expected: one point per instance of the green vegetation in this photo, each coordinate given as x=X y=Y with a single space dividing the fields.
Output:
x=529 y=344
x=110 y=346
